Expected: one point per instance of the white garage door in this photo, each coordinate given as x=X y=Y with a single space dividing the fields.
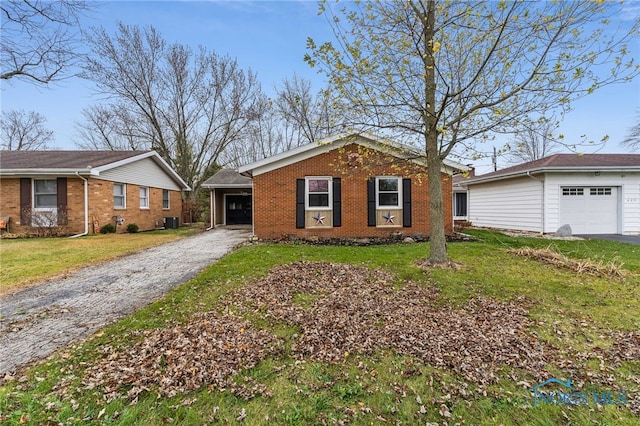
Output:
x=590 y=210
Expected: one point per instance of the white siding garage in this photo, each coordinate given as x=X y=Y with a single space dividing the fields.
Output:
x=590 y=210
x=514 y=204
x=593 y=193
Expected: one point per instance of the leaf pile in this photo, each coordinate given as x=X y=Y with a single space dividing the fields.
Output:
x=356 y=310
x=340 y=309
x=206 y=351
x=602 y=269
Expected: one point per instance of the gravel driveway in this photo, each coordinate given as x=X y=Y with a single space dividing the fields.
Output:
x=40 y=319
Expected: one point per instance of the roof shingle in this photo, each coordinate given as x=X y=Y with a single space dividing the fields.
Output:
x=572 y=161
x=80 y=160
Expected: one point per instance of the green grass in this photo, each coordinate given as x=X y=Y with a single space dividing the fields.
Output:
x=377 y=389
x=25 y=261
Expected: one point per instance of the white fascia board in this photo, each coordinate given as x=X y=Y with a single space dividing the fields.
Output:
x=583 y=169
x=47 y=172
x=291 y=156
x=227 y=185
x=125 y=161
x=325 y=145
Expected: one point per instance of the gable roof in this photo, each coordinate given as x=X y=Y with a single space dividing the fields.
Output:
x=84 y=163
x=226 y=178
x=566 y=163
x=304 y=152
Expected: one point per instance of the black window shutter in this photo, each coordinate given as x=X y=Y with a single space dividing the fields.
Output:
x=337 y=202
x=299 y=203
x=406 y=203
x=371 y=202
x=62 y=200
x=25 y=201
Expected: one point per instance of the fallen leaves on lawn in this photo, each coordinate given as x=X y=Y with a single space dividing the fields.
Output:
x=357 y=310
x=339 y=309
x=206 y=351
x=602 y=269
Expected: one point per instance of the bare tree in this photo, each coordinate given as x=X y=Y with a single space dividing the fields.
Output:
x=296 y=117
x=187 y=106
x=438 y=73
x=632 y=141
x=263 y=137
x=40 y=38
x=303 y=115
x=535 y=139
x=24 y=131
x=110 y=127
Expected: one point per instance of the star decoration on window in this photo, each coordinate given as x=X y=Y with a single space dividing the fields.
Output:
x=388 y=218
x=319 y=219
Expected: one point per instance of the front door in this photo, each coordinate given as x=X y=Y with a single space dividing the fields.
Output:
x=238 y=210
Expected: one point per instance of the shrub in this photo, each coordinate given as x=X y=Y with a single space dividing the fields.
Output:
x=132 y=228
x=108 y=229
x=46 y=223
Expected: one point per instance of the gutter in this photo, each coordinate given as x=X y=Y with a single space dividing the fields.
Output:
x=86 y=207
x=582 y=169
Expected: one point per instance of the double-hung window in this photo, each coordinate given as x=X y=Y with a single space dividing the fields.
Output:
x=388 y=192
x=119 y=195
x=144 y=197
x=318 y=191
x=165 y=199
x=45 y=193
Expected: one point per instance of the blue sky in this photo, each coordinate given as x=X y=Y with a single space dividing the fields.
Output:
x=270 y=37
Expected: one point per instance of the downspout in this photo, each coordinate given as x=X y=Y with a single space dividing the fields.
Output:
x=253 y=218
x=542 y=200
x=212 y=205
x=86 y=207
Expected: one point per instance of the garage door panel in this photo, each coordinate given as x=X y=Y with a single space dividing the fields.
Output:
x=590 y=210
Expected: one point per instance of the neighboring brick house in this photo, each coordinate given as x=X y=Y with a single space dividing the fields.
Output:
x=345 y=186
x=84 y=190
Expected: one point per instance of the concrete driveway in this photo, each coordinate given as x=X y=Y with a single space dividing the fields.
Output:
x=38 y=320
x=631 y=239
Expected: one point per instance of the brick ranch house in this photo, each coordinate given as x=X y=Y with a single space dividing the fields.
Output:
x=346 y=186
x=83 y=190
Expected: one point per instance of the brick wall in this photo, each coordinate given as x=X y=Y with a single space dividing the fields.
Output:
x=103 y=212
x=101 y=209
x=275 y=195
x=10 y=201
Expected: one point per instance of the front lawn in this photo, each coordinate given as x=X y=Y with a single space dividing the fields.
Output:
x=29 y=260
x=304 y=334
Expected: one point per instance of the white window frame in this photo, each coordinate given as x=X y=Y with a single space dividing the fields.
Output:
x=36 y=205
x=123 y=196
x=44 y=216
x=572 y=191
x=456 y=204
x=378 y=192
x=144 y=197
x=595 y=191
x=168 y=199
x=329 y=180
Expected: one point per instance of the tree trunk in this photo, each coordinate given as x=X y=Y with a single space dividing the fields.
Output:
x=438 y=242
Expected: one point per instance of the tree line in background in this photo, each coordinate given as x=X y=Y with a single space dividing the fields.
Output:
x=443 y=76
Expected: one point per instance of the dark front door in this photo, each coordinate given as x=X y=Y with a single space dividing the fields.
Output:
x=238 y=210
